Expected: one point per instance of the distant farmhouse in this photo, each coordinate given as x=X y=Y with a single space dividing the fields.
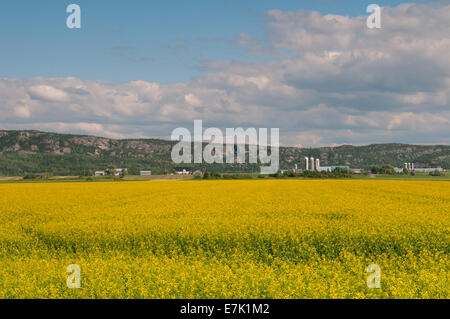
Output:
x=114 y=172
x=182 y=170
x=100 y=173
x=119 y=171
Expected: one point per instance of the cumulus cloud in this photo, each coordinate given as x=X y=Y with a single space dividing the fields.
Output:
x=191 y=99
x=333 y=81
x=22 y=112
x=47 y=93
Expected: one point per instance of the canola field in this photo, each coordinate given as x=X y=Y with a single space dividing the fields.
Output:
x=225 y=239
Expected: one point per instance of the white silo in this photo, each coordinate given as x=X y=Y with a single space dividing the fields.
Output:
x=311 y=163
x=306 y=164
x=412 y=166
x=317 y=164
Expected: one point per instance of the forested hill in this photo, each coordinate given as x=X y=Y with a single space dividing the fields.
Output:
x=67 y=154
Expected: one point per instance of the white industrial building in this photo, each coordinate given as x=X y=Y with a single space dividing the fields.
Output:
x=428 y=169
x=145 y=173
x=411 y=168
x=312 y=164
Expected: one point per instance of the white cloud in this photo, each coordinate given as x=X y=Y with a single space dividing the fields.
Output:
x=47 y=93
x=334 y=81
x=22 y=112
x=191 y=99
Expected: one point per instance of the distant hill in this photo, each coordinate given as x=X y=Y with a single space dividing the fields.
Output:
x=67 y=154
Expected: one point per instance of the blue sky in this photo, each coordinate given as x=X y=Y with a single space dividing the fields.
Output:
x=311 y=68
x=163 y=41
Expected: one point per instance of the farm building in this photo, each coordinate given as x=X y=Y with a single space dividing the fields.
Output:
x=120 y=171
x=182 y=170
x=428 y=169
x=145 y=173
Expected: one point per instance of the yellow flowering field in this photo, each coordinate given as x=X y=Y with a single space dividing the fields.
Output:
x=225 y=239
